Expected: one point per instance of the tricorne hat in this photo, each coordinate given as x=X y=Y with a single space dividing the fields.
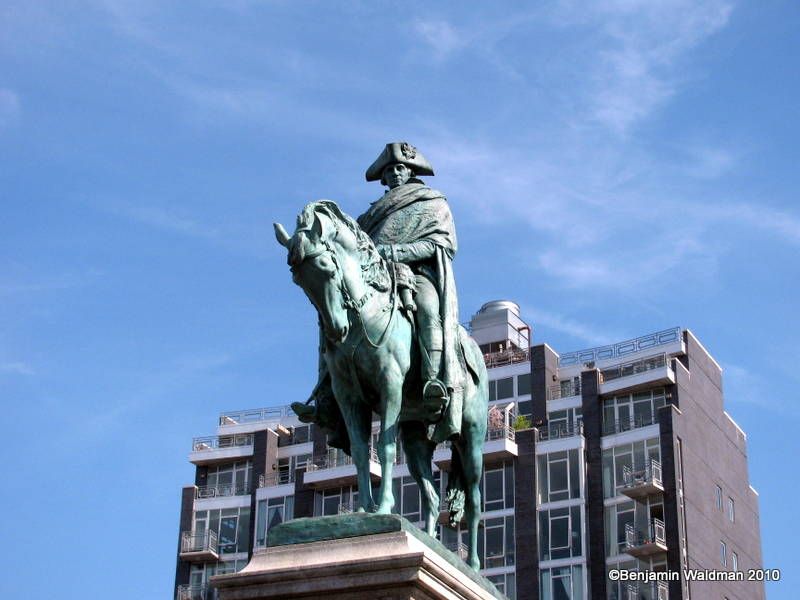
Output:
x=399 y=152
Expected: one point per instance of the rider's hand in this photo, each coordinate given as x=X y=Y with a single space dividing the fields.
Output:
x=385 y=251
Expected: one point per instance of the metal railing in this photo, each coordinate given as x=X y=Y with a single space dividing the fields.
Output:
x=649 y=363
x=644 y=342
x=254 y=415
x=277 y=478
x=506 y=357
x=655 y=534
x=559 y=431
x=196 y=592
x=651 y=473
x=459 y=548
x=336 y=459
x=654 y=590
x=198 y=542
x=564 y=390
x=219 y=442
x=222 y=490
x=498 y=433
x=620 y=425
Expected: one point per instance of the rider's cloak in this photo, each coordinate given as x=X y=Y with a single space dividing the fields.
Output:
x=413 y=213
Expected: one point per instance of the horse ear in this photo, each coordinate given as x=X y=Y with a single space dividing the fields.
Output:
x=281 y=235
x=321 y=226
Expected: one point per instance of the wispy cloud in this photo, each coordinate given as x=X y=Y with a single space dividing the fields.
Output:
x=26 y=283
x=440 y=36
x=743 y=386
x=17 y=368
x=590 y=334
x=9 y=107
x=237 y=235
x=638 y=51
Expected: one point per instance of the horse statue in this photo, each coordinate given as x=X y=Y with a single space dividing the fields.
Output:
x=374 y=365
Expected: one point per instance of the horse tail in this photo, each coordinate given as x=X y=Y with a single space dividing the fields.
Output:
x=456 y=494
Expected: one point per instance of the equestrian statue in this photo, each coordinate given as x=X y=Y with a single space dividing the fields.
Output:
x=390 y=340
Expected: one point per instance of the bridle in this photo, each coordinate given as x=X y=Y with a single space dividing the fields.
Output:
x=352 y=305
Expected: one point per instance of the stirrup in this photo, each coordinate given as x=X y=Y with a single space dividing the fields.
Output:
x=434 y=399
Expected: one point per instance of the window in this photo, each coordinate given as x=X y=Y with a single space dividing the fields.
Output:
x=288 y=464
x=731 y=515
x=723 y=553
x=735 y=561
x=630 y=458
x=505 y=388
x=558 y=476
x=639 y=515
x=622 y=413
x=505 y=584
x=563 y=422
x=560 y=533
x=330 y=501
x=524 y=384
x=228 y=480
x=497 y=491
x=270 y=513
x=562 y=583
x=408 y=496
x=496 y=541
x=232 y=526
x=718 y=497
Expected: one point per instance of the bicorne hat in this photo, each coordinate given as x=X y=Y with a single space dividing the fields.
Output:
x=399 y=152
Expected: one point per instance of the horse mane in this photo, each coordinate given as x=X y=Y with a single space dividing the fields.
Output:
x=373 y=267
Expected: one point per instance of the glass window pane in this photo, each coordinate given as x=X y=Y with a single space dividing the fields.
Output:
x=505 y=388
x=524 y=384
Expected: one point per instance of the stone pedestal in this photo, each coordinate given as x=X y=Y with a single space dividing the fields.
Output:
x=354 y=557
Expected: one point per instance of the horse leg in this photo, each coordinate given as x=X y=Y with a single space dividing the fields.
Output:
x=471 y=451
x=419 y=455
x=358 y=420
x=391 y=399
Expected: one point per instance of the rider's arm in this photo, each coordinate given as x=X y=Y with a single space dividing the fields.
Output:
x=408 y=253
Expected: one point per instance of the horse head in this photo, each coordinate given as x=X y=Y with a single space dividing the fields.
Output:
x=329 y=256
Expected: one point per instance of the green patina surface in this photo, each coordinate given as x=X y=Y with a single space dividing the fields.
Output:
x=318 y=529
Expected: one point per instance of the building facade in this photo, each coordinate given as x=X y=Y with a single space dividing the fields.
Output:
x=599 y=465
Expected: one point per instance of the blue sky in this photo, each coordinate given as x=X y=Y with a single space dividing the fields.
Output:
x=615 y=167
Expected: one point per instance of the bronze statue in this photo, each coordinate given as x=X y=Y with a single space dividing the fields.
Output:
x=390 y=340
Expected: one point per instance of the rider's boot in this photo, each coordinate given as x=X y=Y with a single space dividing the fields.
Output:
x=434 y=392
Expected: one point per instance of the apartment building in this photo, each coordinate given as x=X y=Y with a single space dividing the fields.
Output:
x=612 y=459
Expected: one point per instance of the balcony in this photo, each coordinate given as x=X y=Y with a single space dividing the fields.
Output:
x=500 y=443
x=336 y=468
x=622 y=425
x=642 y=482
x=645 y=544
x=655 y=590
x=637 y=374
x=222 y=490
x=199 y=547
x=219 y=448
x=512 y=356
x=196 y=592
x=565 y=389
x=274 y=479
x=559 y=431
x=256 y=415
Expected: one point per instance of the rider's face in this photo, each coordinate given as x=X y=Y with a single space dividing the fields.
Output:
x=395 y=175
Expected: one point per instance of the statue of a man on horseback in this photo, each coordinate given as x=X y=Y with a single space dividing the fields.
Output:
x=412 y=224
x=390 y=342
